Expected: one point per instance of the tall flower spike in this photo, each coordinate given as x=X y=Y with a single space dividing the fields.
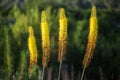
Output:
x=32 y=46
x=62 y=34
x=45 y=40
x=62 y=38
x=92 y=38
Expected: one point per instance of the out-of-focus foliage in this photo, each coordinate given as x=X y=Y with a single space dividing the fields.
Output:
x=23 y=66
x=17 y=15
x=8 y=57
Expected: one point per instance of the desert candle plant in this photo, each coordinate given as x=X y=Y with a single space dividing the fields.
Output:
x=45 y=41
x=92 y=38
x=32 y=47
x=62 y=43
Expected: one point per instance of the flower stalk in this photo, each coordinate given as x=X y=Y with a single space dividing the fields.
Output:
x=92 y=38
x=62 y=38
x=32 y=47
x=45 y=41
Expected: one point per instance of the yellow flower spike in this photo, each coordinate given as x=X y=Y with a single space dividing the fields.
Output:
x=32 y=46
x=92 y=38
x=45 y=40
x=62 y=34
x=62 y=38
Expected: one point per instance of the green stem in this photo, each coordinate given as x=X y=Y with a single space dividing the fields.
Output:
x=59 y=70
x=39 y=77
x=43 y=73
x=83 y=73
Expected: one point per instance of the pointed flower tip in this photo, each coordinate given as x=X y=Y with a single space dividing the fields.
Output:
x=94 y=6
x=93 y=12
x=43 y=16
x=30 y=30
x=62 y=13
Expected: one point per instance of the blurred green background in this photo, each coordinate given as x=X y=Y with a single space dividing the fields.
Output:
x=17 y=15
